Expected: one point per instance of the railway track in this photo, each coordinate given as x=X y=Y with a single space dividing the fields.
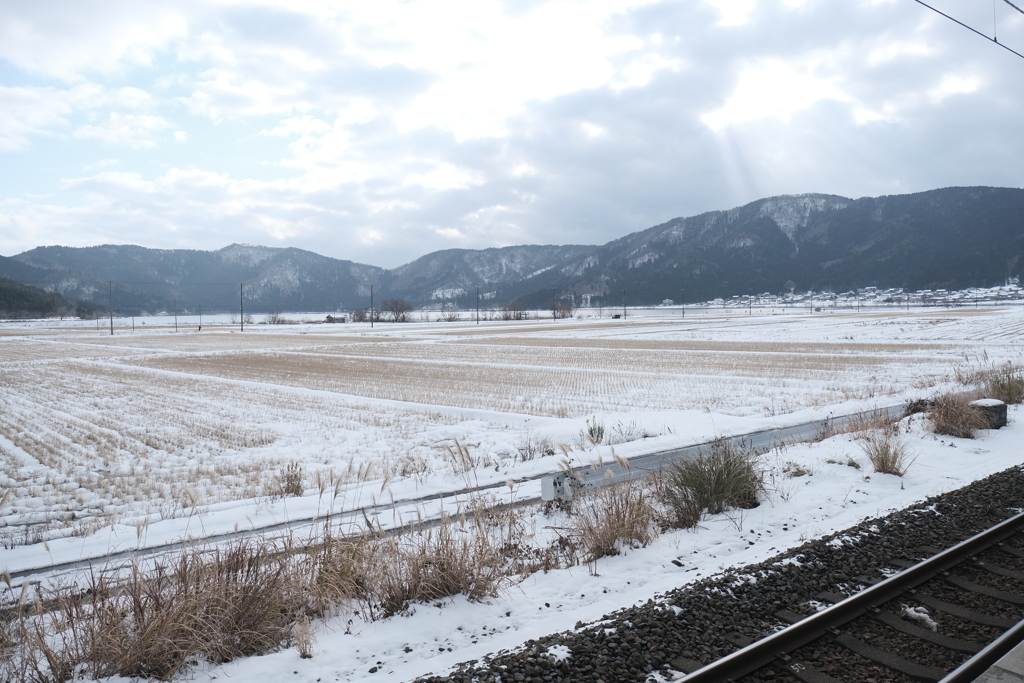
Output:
x=703 y=621
x=842 y=625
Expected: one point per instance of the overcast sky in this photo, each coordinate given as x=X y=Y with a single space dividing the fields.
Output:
x=380 y=131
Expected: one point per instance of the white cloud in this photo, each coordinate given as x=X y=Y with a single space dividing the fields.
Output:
x=733 y=12
x=487 y=64
x=102 y=163
x=475 y=115
x=132 y=130
x=444 y=177
x=897 y=50
x=299 y=125
x=953 y=84
x=449 y=233
x=28 y=111
x=68 y=40
x=773 y=89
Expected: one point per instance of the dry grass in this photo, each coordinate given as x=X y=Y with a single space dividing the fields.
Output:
x=96 y=440
x=953 y=415
x=724 y=478
x=163 y=616
x=887 y=452
x=157 y=618
x=607 y=519
x=558 y=382
x=1005 y=383
x=84 y=442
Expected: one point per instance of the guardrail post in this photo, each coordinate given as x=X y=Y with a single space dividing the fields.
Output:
x=553 y=488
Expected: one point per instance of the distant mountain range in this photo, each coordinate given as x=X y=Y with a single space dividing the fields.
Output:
x=948 y=238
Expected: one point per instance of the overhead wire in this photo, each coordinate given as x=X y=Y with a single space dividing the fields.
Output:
x=1014 y=6
x=974 y=30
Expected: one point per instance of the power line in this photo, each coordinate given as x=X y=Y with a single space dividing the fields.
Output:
x=974 y=30
x=1014 y=6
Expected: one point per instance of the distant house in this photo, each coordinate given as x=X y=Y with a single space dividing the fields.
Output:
x=336 y=319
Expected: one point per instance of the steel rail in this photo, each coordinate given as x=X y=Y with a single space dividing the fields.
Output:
x=584 y=476
x=770 y=649
x=993 y=652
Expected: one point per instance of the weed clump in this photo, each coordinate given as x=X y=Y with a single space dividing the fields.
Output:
x=725 y=478
x=1005 y=383
x=953 y=415
x=161 y=617
x=887 y=452
x=608 y=518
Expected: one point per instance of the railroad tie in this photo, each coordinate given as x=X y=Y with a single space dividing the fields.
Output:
x=913 y=669
x=1000 y=570
x=893 y=621
x=964 y=613
x=803 y=672
x=968 y=585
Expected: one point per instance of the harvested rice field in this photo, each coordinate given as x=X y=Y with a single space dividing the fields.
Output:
x=152 y=424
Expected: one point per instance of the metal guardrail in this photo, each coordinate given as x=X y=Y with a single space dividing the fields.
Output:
x=561 y=486
x=553 y=486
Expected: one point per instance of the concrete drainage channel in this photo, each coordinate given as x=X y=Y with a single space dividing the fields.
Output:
x=553 y=486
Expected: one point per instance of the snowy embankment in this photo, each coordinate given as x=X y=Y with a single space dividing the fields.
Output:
x=829 y=495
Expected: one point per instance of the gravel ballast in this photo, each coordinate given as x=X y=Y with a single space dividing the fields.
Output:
x=706 y=620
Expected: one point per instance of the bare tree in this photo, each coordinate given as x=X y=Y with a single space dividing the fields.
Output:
x=449 y=313
x=398 y=309
x=360 y=315
x=512 y=312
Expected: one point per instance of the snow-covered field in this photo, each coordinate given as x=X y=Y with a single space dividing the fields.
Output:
x=114 y=442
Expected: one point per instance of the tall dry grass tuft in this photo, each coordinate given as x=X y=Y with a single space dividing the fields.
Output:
x=953 y=415
x=475 y=554
x=436 y=564
x=162 y=616
x=726 y=477
x=888 y=453
x=1005 y=383
x=606 y=519
x=461 y=458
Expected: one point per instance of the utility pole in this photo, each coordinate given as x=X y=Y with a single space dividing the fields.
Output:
x=110 y=295
x=623 y=304
x=477 y=305
x=371 y=307
x=682 y=301
x=750 y=304
x=175 y=314
x=133 y=314
x=553 y=304
x=241 y=307
x=200 y=317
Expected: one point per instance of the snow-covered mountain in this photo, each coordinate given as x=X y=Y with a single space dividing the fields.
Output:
x=948 y=238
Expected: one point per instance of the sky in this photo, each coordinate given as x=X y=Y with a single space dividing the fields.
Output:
x=381 y=131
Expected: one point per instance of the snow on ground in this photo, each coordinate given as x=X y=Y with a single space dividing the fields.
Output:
x=831 y=496
x=136 y=439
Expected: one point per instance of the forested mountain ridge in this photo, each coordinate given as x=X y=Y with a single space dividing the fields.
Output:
x=947 y=238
